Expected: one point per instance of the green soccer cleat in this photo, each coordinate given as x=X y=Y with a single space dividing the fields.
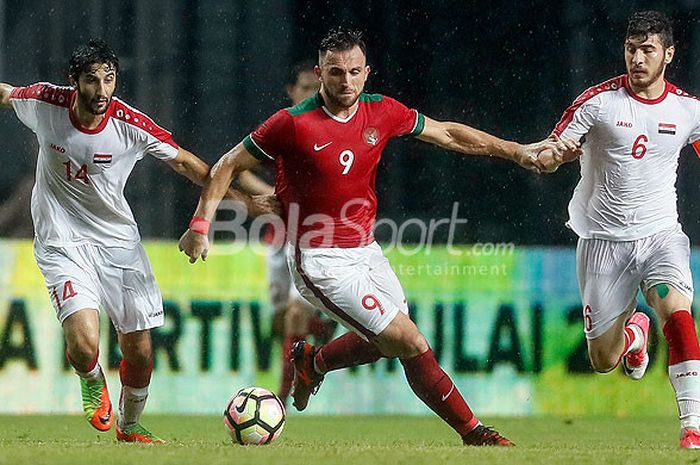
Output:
x=96 y=404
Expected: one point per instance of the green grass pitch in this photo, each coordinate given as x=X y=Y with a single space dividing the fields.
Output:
x=327 y=440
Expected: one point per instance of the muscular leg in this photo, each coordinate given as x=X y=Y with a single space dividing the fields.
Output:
x=295 y=329
x=606 y=351
x=673 y=309
x=428 y=381
x=135 y=374
x=82 y=333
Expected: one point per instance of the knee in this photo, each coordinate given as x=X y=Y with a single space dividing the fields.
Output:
x=83 y=347
x=602 y=361
x=410 y=345
x=138 y=353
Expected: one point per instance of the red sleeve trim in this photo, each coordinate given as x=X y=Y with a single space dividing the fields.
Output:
x=44 y=92
x=568 y=116
x=132 y=116
x=696 y=146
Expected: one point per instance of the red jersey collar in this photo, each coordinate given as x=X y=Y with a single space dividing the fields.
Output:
x=647 y=101
x=76 y=123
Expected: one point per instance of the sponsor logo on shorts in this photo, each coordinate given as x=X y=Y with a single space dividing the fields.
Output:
x=156 y=314
x=686 y=374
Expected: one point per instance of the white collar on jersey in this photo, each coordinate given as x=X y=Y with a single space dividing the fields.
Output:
x=337 y=118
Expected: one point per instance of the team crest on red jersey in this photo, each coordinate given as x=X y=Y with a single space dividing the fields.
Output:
x=371 y=136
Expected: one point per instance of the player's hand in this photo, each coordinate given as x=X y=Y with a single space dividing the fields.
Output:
x=527 y=155
x=267 y=204
x=563 y=151
x=195 y=245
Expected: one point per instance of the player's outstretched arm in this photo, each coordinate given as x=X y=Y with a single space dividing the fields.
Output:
x=253 y=185
x=465 y=139
x=196 y=170
x=194 y=242
x=5 y=91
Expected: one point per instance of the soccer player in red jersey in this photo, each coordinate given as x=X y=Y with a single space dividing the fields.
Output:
x=624 y=212
x=87 y=244
x=298 y=317
x=326 y=150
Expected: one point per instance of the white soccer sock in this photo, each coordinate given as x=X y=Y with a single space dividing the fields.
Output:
x=131 y=404
x=685 y=378
x=91 y=375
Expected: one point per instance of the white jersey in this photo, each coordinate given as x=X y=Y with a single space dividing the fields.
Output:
x=78 y=195
x=627 y=189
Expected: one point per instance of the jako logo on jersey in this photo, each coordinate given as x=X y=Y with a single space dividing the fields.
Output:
x=57 y=148
x=667 y=128
x=624 y=124
x=686 y=374
x=101 y=158
x=371 y=136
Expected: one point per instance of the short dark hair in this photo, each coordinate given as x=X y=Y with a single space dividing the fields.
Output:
x=95 y=51
x=340 y=40
x=645 y=23
x=298 y=68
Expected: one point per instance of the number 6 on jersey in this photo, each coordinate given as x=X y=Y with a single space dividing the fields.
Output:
x=346 y=160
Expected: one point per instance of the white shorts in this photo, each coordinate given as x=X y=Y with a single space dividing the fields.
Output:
x=118 y=279
x=610 y=272
x=279 y=280
x=355 y=286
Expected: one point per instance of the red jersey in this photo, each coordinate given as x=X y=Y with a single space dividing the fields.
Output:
x=326 y=166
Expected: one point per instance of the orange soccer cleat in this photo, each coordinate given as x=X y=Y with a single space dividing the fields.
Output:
x=137 y=433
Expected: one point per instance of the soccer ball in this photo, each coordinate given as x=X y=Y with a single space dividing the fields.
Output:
x=254 y=416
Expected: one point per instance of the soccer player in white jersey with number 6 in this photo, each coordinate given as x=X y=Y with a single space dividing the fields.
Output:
x=87 y=243
x=624 y=212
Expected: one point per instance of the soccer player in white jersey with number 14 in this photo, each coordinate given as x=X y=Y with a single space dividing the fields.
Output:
x=87 y=243
x=624 y=212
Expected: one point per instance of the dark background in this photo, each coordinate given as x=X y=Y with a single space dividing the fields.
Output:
x=210 y=71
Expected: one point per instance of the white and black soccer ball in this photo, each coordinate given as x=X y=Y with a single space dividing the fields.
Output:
x=254 y=416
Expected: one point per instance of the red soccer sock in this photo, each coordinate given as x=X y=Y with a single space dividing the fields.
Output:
x=287 y=367
x=135 y=376
x=682 y=338
x=435 y=388
x=346 y=351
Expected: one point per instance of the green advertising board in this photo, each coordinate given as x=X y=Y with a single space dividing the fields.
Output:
x=506 y=324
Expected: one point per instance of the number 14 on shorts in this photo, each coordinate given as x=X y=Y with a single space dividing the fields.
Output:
x=66 y=291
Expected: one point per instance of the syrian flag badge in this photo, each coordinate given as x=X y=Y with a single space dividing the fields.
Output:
x=102 y=158
x=667 y=128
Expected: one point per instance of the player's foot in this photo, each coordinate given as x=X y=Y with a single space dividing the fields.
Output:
x=306 y=380
x=690 y=438
x=485 y=436
x=137 y=433
x=635 y=363
x=96 y=404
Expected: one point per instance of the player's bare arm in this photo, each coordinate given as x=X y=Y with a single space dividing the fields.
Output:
x=195 y=243
x=5 y=91
x=196 y=170
x=465 y=139
x=253 y=185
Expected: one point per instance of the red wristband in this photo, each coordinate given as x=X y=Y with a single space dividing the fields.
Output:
x=200 y=225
